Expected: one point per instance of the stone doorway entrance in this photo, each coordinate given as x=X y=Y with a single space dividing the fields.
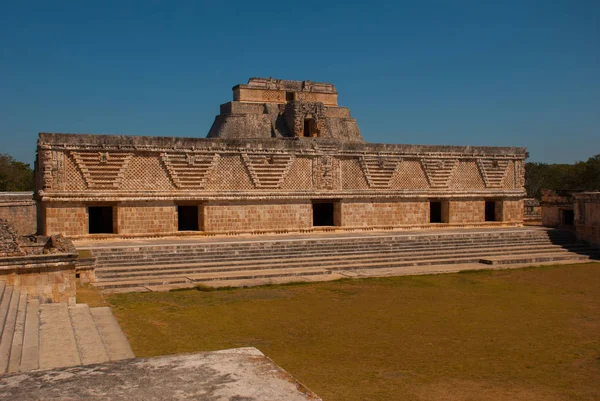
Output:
x=567 y=217
x=490 y=211
x=187 y=218
x=323 y=213
x=100 y=220
x=435 y=212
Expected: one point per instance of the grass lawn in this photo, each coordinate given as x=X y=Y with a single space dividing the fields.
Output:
x=528 y=334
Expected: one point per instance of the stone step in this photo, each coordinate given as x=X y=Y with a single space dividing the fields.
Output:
x=114 y=339
x=315 y=261
x=6 y=338
x=206 y=247
x=4 y=304
x=223 y=256
x=16 y=349
x=334 y=240
x=58 y=346
x=186 y=280
x=51 y=336
x=30 y=356
x=148 y=260
x=513 y=259
x=89 y=343
x=253 y=274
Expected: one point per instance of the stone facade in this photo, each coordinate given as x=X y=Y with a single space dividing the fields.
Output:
x=245 y=179
x=532 y=210
x=275 y=108
x=557 y=209
x=587 y=216
x=18 y=209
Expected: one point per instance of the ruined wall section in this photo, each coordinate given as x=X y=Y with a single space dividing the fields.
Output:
x=18 y=209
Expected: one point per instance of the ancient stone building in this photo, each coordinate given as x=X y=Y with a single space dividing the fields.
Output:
x=281 y=157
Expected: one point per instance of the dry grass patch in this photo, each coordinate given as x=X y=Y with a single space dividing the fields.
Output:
x=528 y=334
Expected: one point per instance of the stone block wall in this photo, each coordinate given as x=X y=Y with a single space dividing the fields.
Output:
x=510 y=210
x=587 y=217
x=466 y=211
x=258 y=216
x=373 y=213
x=68 y=219
x=18 y=209
x=144 y=217
x=553 y=205
x=51 y=278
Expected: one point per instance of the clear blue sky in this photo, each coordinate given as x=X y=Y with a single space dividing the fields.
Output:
x=506 y=73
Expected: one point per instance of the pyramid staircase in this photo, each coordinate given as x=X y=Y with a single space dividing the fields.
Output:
x=166 y=266
x=45 y=336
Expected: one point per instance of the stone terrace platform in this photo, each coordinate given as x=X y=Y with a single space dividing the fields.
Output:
x=235 y=374
x=168 y=263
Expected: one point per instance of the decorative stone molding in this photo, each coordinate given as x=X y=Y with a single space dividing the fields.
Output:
x=493 y=171
x=379 y=170
x=189 y=170
x=102 y=169
x=268 y=170
x=438 y=171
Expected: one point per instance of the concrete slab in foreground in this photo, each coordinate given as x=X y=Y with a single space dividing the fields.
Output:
x=243 y=374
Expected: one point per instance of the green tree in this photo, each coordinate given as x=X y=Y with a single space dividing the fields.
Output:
x=15 y=175
x=581 y=176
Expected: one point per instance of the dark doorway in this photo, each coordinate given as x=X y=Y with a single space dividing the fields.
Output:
x=187 y=218
x=308 y=127
x=100 y=220
x=289 y=96
x=568 y=217
x=323 y=214
x=435 y=212
x=490 y=211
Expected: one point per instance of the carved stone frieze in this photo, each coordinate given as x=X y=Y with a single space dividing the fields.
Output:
x=268 y=170
x=379 y=170
x=189 y=170
x=326 y=172
x=438 y=171
x=102 y=169
x=492 y=171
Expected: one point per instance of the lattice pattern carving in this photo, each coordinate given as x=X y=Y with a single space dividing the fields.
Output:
x=268 y=170
x=299 y=177
x=439 y=171
x=102 y=169
x=467 y=176
x=493 y=171
x=229 y=175
x=273 y=96
x=147 y=172
x=189 y=170
x=510 y=178
x=379 y=170
x=409 y=175
x=352 y=174
x=74 y=178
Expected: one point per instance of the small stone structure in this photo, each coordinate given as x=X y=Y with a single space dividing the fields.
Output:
x=39 y=266
x=18 y=208
x=587 y=216
x=531 y=210
x=281 y=157
x=557 y=209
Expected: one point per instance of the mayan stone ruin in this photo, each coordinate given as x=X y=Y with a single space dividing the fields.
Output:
x=281 y=157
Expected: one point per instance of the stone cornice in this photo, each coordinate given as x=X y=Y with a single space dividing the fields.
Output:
x=57 y=141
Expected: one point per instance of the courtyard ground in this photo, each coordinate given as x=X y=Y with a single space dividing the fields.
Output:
x=526 y=334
